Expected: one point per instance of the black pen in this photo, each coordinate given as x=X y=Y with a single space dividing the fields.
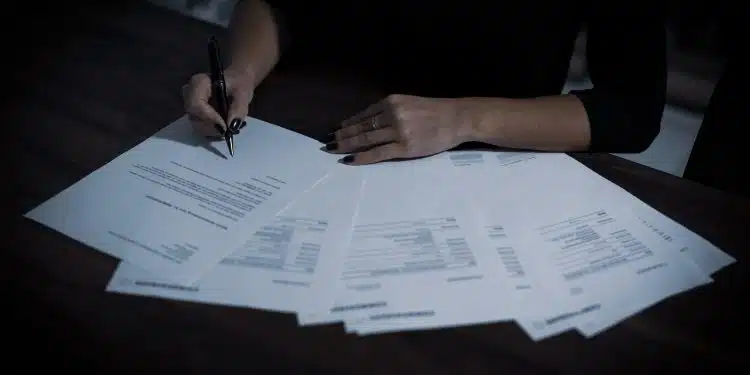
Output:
x=219 y=90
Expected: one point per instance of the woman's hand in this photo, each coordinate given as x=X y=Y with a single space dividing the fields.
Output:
x=401 y=126
x=205 y=119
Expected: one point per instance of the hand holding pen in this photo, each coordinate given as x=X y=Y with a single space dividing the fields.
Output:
x=212 y=112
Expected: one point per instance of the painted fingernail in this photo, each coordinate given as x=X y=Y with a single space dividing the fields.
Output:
x=331 y=146
x=347 y=159
x=243 y=124
x=235 y=124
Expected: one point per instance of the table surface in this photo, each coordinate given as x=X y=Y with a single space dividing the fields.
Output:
x=109 y=77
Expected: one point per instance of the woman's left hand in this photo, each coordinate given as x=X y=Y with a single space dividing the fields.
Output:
x=400 y=126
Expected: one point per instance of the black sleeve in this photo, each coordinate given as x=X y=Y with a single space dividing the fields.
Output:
x=626 y=58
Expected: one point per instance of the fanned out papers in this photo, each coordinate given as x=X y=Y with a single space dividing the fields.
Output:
x=459 y=238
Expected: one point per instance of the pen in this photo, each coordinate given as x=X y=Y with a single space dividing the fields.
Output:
x=220 y=90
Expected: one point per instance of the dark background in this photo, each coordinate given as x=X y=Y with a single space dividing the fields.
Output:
x=702 y=36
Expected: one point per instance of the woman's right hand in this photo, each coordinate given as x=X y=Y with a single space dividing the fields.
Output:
x=197 y=93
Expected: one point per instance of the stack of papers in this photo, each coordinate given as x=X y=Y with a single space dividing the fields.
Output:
x=459 y=238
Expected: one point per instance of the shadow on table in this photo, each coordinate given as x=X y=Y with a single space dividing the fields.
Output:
x=183 y=133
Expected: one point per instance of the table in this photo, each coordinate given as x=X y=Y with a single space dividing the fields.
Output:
x=109 y=77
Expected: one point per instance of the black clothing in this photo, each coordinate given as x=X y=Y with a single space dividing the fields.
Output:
x=506 y=48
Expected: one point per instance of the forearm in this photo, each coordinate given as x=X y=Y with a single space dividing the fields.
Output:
x=254 y=39
x=552 y=123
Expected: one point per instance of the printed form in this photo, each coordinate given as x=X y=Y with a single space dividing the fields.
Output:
x=574 y=182
x=603 y=241
x=516 y=274
x=707 y=257
x=174 y=209
x=515 y=284
x=412 y=251
x=589 y=257
x=291 y=264
x=606 y=245
x=511 y=297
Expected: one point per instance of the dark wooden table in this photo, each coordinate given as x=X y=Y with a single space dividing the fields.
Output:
x=109 y=76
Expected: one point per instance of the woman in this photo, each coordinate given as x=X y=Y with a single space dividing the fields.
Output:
x=482 y=71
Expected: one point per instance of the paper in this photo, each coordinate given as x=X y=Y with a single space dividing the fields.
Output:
x=566 y=174
x=512 y=265
x=175 y=208
x=412 y=251
x=575 y=187
x=591 y=258
x=577 y=264
x=291 y=264
x=573 y=181
x=516 y=288
x=562 y=173
x=454 y=239
x=709 y=258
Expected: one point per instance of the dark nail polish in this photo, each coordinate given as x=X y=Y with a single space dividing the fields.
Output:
x=331 y=146
x=235 y=124
x=219 y=129
x=243 y=124
x=347 y=159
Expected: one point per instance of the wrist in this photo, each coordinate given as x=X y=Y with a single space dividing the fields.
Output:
x=479 y=120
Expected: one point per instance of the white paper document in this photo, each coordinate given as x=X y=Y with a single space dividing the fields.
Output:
x=414 y=250
x=704 y=254
x=513 y=295
x=513 y=266
x=598 y=258
x=458 y=238
x=291 y=264
x=578 y=261
x=564 y=174
x=574 y=182
x=175 y=205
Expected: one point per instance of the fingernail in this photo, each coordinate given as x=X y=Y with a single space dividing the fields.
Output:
x=243 y=124
x=219 y=129
x=347 y=159
x=331 y=146
x=235 y=124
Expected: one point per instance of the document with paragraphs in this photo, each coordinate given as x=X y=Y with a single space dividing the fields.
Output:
x=291 y=264
x=175 y=206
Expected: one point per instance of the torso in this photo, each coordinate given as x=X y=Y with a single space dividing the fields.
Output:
x=465 y=48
